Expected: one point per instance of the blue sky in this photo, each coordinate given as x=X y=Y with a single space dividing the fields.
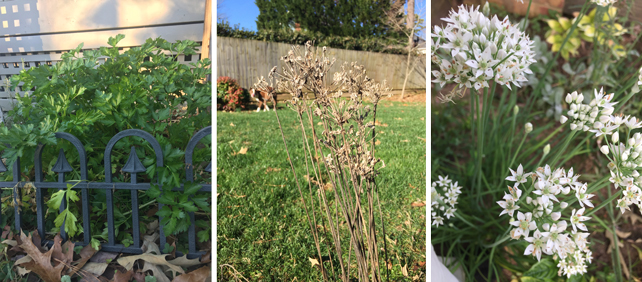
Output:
x=245 y=12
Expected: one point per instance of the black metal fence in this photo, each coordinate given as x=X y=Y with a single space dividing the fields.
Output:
x=133 y=166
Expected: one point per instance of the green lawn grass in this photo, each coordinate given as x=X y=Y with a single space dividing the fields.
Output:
x=262 y=228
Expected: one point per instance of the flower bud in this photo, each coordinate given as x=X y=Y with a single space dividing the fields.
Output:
x=516 y=108
x=563 y=119
x=569 y=99
x=528 y=127
x=573 y=126
x=563 y=205
x=486 y=9
x=608 y=111
x=547 y=149
x=611 y=166
x=625 y=156
x=615 y=137
x=605 y=149
x=556 y=215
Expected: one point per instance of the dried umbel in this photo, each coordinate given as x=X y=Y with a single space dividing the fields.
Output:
x=338 y=131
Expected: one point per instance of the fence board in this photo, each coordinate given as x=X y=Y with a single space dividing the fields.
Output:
x=247 y=60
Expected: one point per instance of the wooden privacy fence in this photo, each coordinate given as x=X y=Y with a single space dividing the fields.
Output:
x=133 y=166
x=247 y=60
x=34 y=32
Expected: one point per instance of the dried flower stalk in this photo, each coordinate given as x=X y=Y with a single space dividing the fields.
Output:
x=343 y=154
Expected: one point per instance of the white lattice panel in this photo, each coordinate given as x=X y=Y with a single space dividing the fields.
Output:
x=35 y=32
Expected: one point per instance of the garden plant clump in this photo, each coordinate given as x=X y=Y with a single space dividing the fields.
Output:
x=93 y=95
x=229 y=95
x=552 y=222
x=342 y=152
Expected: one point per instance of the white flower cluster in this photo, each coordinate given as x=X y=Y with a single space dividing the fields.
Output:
x=625 y=157
x=443 y=204
x=482 y=50
x=604 y=3
x=595 y=117
x=550 y=236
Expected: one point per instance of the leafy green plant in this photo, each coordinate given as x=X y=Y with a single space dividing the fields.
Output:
x=230 y=95
x=590 y=29
x=94 y=94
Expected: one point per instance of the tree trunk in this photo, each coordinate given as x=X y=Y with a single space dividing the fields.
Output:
x=410 y=23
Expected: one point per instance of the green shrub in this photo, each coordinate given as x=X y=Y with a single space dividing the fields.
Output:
x=372 y=44
x=142 y=88
x=230 y=95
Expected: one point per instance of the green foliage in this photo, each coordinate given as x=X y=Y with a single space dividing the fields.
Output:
x=95 y=94
x=354 y=18
x=66 y=216
x=229 y=94
x=589 y=29
x=390 y=45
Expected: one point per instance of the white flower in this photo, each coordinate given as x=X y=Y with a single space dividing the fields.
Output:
x=556 y=239
x=519 y=176
x=509 y=205
x=633 y=123
x=524 y=224
x=528 y=127
x=438 y=220
x=536 y=244
x=443 y=181
x=604 y=3
x=582 y=196
x=577 y=218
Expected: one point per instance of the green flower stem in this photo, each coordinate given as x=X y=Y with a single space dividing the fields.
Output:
x=517 y=151
x=562 y=149
x=527 y=11
x=616 y=252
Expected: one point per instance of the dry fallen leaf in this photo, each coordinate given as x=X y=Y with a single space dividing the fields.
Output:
x=231 y=142
x=380 y=124
x=422 y=139
x=421 y=118
x=405 y=141
x=398 y=118
x=320 y=123
x=184 y=262
x=128 y=262
x=201 y=274
x=243 y=150
x=622 y=234
x=232 y=124
x=418 y=204
x=41 y=263
x=377 y=142
x=404 y=270
x=96 y=268
x=123 y=276
x=85 y=254
x=313 y=261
